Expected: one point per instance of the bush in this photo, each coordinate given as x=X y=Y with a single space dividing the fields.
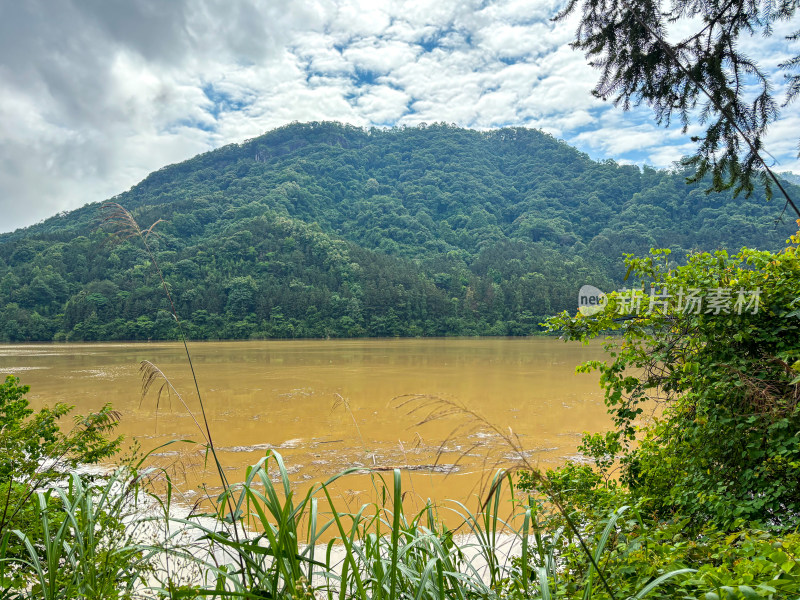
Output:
x=726 y=379
x=37 y=454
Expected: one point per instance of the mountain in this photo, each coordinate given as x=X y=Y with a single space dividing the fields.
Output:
x=324 y=229
x=790 y=177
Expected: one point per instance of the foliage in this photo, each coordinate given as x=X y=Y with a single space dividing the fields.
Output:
x=36 y=454
x=705 y=76
x=378 y=551
x=739 y=562
x=33 y=445
x=383 y=552
x=85 y=544
x=327 y=230
x=726 y=444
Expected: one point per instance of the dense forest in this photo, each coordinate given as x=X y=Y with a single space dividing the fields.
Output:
x=324 y=229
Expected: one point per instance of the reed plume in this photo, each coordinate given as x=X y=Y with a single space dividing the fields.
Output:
x=428 y=408
x=124 y=226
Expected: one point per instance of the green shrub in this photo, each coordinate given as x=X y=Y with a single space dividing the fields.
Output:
x=36 y=455
x=726 y=445
x=78 y=544
x=713 y=477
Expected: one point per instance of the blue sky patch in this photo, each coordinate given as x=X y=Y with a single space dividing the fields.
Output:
x=222 y=102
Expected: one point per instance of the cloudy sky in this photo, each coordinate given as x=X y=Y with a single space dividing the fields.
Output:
x=95 y=94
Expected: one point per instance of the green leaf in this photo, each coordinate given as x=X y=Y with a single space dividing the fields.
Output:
x=748 y=592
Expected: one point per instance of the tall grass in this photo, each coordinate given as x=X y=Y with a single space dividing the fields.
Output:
x=125 y=226
x=377 y=551
x=88 y=546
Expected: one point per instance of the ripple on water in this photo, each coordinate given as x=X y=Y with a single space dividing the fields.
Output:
x=107 y=373
x=287 y=445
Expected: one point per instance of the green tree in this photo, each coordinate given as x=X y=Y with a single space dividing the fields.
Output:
x=497 y=223
x=706 y=76
x=724 y=370
x=35 y=448
x=35 y=453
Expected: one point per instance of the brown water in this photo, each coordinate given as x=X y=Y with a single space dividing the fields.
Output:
x=288 y=395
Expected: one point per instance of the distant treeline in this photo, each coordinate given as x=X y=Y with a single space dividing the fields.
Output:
x=323 y=229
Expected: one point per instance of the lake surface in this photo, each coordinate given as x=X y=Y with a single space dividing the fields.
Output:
x=327 y=405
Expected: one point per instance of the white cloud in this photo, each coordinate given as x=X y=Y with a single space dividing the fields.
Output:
x=515 y=41
x=665 y=156
x=783 y=145
x=380 y=56
x=97 y=95
x=382 y=104
x=362 y=18
x=322 y=55
x=521 y=11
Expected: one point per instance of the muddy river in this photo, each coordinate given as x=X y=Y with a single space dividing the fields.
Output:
x=327 y=405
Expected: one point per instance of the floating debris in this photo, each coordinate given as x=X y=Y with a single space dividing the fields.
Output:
x=578 y=458
x=293 y=443
x=429 y=468
x=528 y=453
x=288 y=444
x=253 y=448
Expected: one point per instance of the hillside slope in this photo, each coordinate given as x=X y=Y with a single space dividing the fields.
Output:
x=324 y=229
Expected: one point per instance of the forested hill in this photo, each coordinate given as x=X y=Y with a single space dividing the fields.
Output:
x=324 y=229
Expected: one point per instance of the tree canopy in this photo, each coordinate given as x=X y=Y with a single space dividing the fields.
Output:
x=706 y=76
x=713 y=344
x=323 y=229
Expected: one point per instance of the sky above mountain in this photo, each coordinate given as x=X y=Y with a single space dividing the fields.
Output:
x=98 y=93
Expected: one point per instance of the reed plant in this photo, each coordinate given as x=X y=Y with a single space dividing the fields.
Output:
x=376 y=551
x=85 y=541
